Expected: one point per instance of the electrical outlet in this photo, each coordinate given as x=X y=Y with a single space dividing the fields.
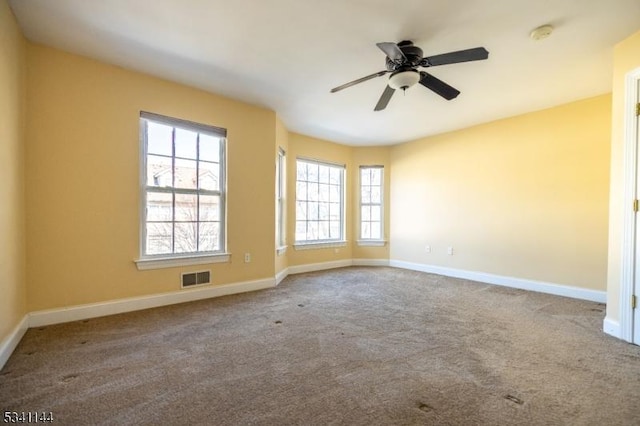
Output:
x=427 y=249
x=247 y=257
x=450 y=251
x=336 y=251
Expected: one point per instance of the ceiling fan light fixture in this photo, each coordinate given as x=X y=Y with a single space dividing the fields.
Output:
x=404 y=79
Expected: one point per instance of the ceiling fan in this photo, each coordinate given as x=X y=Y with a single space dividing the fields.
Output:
x=403 y=60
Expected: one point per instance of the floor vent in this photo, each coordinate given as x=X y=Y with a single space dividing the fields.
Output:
x=195 y=278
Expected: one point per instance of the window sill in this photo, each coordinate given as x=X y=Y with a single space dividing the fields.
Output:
x=319 y=245
x=172 y=262
x=372 y=243
x=281 y=250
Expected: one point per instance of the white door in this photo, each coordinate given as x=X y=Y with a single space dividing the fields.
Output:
x=636 y=279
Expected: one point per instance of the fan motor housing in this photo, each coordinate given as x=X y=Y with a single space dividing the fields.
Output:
x=411 y=52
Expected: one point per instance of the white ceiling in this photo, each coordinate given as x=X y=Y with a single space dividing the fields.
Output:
x=287 y=54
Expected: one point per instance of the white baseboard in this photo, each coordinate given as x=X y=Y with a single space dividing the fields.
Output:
x=612 y=328
x=93 y=310
x=282 y=275
x=9 y=344
x=520 y=283
x=312 y=267
x=370 y=262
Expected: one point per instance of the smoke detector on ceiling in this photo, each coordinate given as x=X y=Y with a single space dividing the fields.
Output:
x=541 y=32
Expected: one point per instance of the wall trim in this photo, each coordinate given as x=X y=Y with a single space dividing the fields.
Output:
x=282 y=275
x=370 y=262
x=612 y=327
x=93 y=310
x=9 y=344
x=520 y=283
x=312 y=267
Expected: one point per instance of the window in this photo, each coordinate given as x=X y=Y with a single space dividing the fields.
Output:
x=183 y=188
x=319 y=202
x=281 y=232
x=371 y=185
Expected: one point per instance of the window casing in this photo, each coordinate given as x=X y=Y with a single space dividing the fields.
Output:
x=319 y=202
x=281 y=165
x=371 y=203
x=183 y=188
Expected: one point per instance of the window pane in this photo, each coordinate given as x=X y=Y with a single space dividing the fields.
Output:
x=334 y=175
x=185 y=237
x=334 y=193
x=323 y=192
x=159 y=236
x=312 y=231
x=375 y=230
x=366 y=230
x=334 y=211
x=186 y=144
x=208 y=238
x=209 y=207
x=301 y=191
x=185 y=172
x=334 y=230
x=159 y=207
x=365 y=213
x=301 y=230
x=159 y=139
x=313 y=192
x=302 y=171
x=209 y=148
x=375 y=195
x=365 y=176
x=181 y=165
x=186 y=207
x=208 y=175
x=312 y=212
x=301 y=210
x=376 y=176
x=375 y=213
x=312 y=169
x=323 y=174
x=365 y=195
x=159 y=171
x=324 y=230
x=323 y=211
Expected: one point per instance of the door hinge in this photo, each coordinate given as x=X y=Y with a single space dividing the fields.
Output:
x=635 y=205
x=638 y=109
x=634 y=302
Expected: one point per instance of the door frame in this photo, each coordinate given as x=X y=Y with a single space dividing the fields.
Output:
x=630 y=194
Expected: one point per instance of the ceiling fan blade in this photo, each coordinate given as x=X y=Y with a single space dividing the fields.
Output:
x=392 y=51
x=385 y=98
x=475 y=54
x=360 y=80
x=438 y=86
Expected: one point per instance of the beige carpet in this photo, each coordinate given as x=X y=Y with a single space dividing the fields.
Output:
x=353 y=346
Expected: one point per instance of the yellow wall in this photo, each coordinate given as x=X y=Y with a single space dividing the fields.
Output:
x=522 y=197
x=12 y=204
x=83 y=180
x=626 y=59
x=282 y=142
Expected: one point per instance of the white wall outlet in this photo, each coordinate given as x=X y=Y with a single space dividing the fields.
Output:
x=336 y=251
x=450 y=251
x=247 y=257
x=427 y=248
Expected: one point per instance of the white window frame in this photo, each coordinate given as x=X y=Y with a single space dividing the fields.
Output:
x=371 y=241
x=281 y=204
x=156 y=261
x=339 y=241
